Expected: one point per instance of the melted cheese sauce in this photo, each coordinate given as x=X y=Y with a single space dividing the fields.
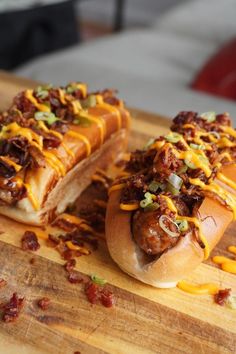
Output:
x=201 y=289
x=71 y=219
x=79 y=136
x=11 y=163
x=129 y=207
x=116 y=187
x=32 y=99
x=110 y=109
x=232 y=249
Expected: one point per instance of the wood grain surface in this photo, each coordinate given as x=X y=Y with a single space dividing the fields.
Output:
x=144 y=320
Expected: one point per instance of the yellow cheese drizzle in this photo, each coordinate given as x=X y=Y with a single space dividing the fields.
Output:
x=81 y=137
x=32 y=99
x=14 y=129
x=109 y=108
x=201 y=289
x=129 y=207
x=43 y=126
x=232 y=249
x=11 y=163
x=227 y=264
x=215 y=188
x=71 y=219
x=116 y=187
x=226 y=180
x=31 y=197
x=77 y=109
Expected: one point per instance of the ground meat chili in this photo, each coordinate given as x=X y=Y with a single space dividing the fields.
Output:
x=222 y=296
x=12 y=308
x=29 y=241
x=164 y=180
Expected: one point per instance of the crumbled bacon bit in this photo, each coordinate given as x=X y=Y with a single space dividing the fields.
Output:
x=96 y=293
x=32 y=260
x=3 y=282
x=107 y=298
x=221 y=297
x=92 y=292
x=75 y=278
x=77 y=352
x=69 y=265
x=12 y=309
x=29 y=241
x=44 y=303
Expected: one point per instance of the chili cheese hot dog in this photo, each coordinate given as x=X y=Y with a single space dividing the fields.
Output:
x=52 y=139
x=179 y=198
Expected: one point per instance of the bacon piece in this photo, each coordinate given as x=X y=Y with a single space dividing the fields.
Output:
x=96 y=293
x=12 y=309
x=44 y=303
x=29 y=241
x=222 y=296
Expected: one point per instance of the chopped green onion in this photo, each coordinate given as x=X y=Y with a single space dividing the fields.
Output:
x=48 y=117
x=231 y=302
x=182 y=225
x=182 y=169
x=98 y=280
x=42 y=94
x=148 y=199
x=173 y=137
x=165 y=228
x=172 y=189
x=196 y=146
x=153 y=186
x=148 y=144
x=152 y=207
x=208 y=116
x=175 y=180
x=90 y=101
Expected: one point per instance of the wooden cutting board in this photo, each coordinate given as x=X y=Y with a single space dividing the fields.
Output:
x=144 y=320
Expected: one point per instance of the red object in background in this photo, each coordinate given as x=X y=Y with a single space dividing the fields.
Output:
x=218 y=76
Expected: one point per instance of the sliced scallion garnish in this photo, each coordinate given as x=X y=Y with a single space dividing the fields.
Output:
x=182 y=225
x=208 y=116
x=98 y=280
x=196 y=146
x=175 y=180
x=48 y=117
x=173 y=137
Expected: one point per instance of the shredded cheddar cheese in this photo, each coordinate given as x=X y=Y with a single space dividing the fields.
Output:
x=201 y=289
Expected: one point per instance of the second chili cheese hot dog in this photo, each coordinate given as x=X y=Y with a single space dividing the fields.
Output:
x=165 y=218
x=52 y=139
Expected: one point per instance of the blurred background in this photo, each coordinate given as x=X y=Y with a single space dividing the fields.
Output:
x=162 y=55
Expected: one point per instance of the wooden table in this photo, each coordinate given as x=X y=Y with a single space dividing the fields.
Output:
x=144 y=320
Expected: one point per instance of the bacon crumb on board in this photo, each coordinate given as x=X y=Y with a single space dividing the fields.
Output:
x=44 y=303
x=29 y=241
x=11 y=309
x=222 y=296
x=96 y=293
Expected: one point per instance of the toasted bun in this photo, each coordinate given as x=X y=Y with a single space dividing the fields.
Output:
x=67 y=189
x=175 y=263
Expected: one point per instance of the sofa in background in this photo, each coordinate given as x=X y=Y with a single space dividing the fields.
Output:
x=152 y=68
